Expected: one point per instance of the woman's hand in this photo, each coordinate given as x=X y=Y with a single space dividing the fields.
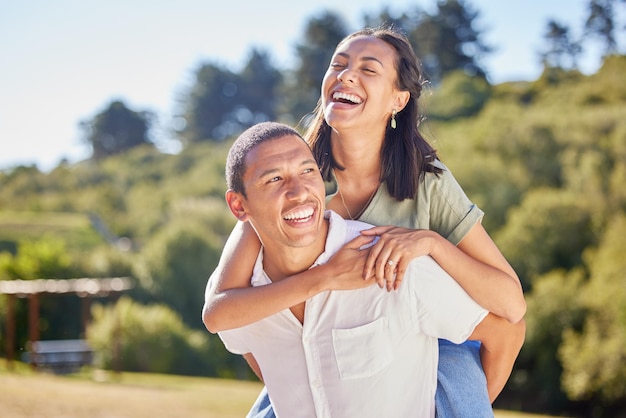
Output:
x=389 y=257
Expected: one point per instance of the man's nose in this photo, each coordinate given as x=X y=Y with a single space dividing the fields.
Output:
x=296 y=190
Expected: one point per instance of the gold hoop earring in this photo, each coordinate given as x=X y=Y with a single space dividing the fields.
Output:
x=394 y=112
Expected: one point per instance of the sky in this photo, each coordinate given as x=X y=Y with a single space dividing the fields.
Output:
x=64 y=61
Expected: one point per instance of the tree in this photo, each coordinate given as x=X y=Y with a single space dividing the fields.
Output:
x=206 y=106
x=222 y=103
x=562 y=51
x=449 y=40
x=594 y=359
x=548 y=230
x=459 y=95
x=552 y=307
x=175 y=267
x=45 y=258
x=405 y=21
x=152 y=338
x=261 y=81
x=321 y=36
x=601 y=24
x=117 y=129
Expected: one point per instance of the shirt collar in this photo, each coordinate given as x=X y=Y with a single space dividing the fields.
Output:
x=334 y=240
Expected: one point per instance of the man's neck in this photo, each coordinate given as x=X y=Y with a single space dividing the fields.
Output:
x=281 y=261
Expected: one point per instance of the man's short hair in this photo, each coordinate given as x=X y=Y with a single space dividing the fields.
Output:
x=250 y=138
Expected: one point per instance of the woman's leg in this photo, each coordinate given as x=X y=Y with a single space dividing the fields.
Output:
x=461 y=383
x=262 y=407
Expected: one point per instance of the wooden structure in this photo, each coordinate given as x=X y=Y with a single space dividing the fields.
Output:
x=86 y=289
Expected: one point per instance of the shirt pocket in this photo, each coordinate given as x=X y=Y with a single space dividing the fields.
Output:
x=362 y=351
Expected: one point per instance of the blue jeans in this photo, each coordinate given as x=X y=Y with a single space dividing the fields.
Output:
x=461 y=385
x=262 y=407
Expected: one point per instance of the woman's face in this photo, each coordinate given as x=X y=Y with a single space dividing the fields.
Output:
x=359 y=87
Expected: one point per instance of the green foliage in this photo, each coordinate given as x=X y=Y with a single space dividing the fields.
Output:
x=45 y=258
x=153 y=339
x=73 y=230
x=459 y=95
x=548 y=230
x=552 y=307
x=449 y=40
x=547 y=162
x=108 y=261
x=176 y=264
x=593 y=357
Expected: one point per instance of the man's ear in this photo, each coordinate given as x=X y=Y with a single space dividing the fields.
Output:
x=235 y=203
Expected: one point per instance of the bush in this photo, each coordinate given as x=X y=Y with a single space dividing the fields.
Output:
x=459 y=96
x=140 y=338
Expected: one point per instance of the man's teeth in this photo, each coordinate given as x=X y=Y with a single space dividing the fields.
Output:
x=345 y=96
x=299 y=215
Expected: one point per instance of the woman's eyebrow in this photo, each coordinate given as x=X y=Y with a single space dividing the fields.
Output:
x=373 y=59
x=367 y=58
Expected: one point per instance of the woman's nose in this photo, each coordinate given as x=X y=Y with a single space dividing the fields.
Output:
x=347 y=75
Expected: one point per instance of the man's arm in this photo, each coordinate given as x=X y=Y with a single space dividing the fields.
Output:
x=501 y=342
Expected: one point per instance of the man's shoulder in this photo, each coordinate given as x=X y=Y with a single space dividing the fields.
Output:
x=357 y=225
x=352 y=228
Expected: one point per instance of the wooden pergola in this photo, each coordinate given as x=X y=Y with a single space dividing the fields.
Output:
x=85 y=289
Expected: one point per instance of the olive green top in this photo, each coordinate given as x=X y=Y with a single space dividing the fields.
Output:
x=441 y=205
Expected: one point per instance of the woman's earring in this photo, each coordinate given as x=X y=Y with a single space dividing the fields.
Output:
x=394 y=112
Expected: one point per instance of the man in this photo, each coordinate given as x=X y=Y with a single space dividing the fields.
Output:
x=355 y=353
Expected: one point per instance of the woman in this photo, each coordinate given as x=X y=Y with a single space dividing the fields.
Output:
x=381 y=171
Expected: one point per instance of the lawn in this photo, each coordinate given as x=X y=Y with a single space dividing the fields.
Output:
x=101 y=394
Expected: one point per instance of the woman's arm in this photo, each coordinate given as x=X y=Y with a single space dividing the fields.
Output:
x=501 y=343
x=494 y=283
x=476 y=264
x=230 y=301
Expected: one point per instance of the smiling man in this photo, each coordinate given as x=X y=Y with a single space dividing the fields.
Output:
x=364 y=352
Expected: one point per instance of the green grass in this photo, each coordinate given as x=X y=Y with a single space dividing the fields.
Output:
x=102 y=394
x=74 y=228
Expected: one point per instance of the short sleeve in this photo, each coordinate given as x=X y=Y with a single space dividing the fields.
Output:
x=440 y=205
x=233 y=342
x=452 y=213
x=443 y=309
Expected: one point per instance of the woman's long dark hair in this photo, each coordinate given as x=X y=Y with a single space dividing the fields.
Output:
x=405 y=155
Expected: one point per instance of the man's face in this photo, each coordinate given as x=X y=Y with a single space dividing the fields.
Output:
x=285 y=193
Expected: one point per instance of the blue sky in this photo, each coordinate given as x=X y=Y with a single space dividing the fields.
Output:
x=63 y=61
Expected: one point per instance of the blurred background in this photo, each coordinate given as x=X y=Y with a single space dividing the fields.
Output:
x=115 y=120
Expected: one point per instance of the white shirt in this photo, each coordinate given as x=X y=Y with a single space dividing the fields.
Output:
x=359 y=353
